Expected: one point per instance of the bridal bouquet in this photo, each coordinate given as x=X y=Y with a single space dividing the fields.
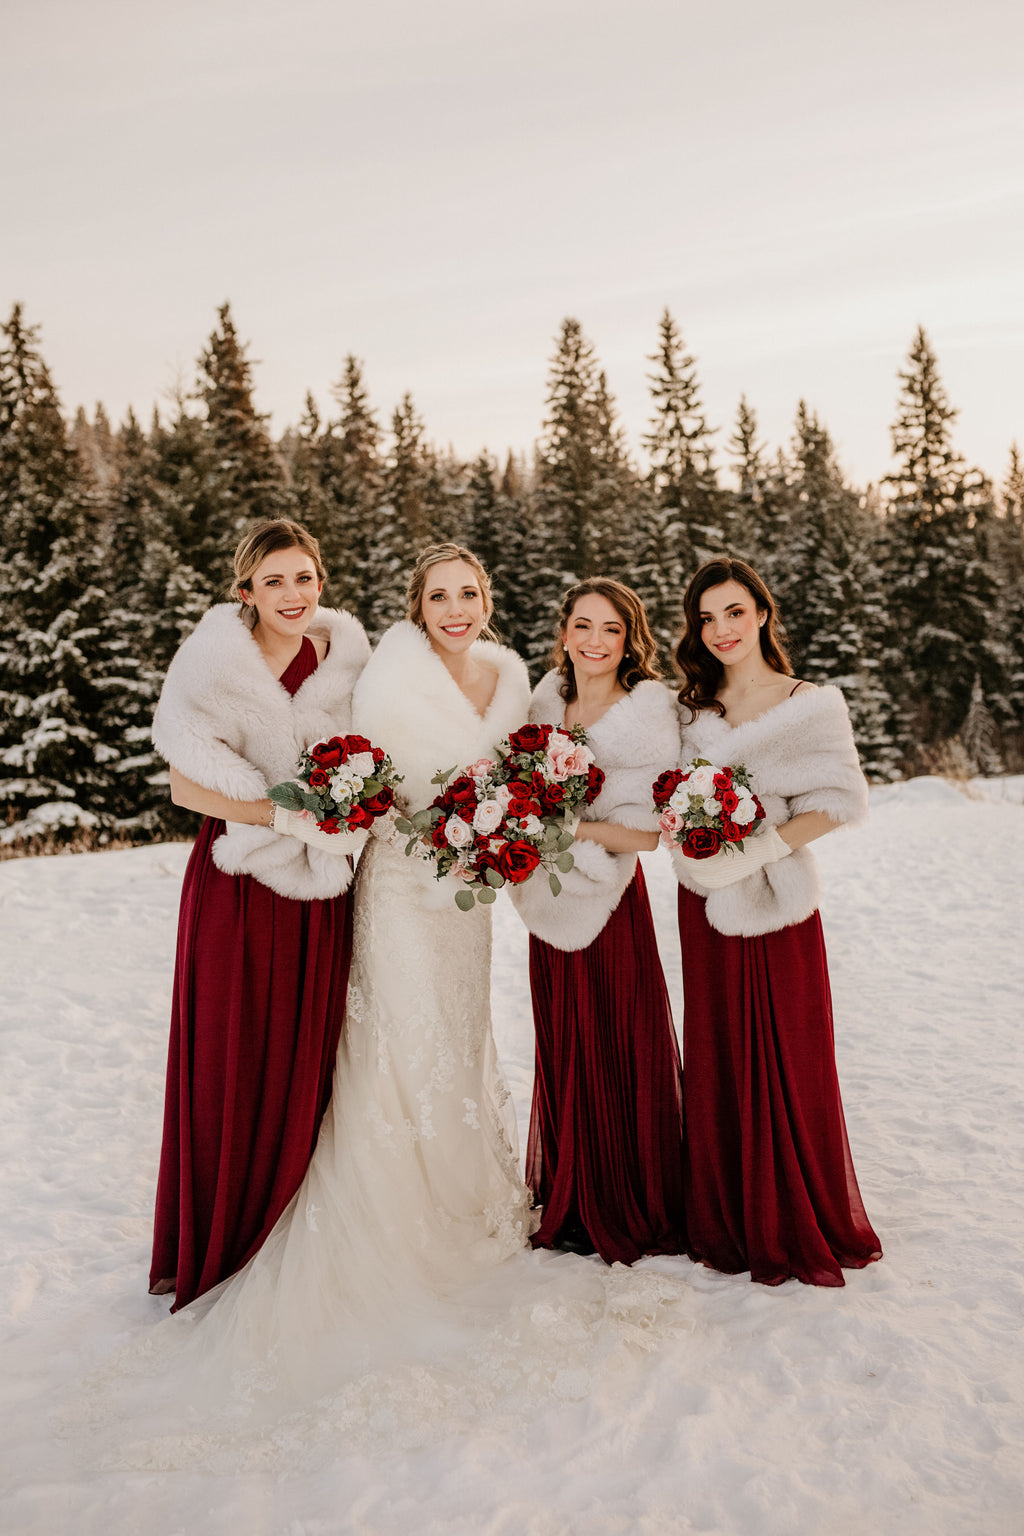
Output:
x=504 y=817
x=704 y=808
x=345 y=783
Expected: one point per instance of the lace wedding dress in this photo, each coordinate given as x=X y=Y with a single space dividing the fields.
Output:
x=397 y=1296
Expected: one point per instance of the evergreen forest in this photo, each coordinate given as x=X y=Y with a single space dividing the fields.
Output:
x=114 y=539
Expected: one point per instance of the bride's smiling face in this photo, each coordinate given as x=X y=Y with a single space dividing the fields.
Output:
x=454 y=609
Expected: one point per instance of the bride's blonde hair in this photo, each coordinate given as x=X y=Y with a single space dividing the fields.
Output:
x=436 y=554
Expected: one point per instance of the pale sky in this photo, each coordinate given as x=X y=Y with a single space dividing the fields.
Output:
x=434 y=184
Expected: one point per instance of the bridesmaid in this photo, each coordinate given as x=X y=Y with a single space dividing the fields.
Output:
x=770 y=1185
x=263 y=933
x=604 y=1156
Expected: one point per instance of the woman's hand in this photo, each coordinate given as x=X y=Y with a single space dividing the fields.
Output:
x=614 y=838
x=304 y=826
x=207 y=802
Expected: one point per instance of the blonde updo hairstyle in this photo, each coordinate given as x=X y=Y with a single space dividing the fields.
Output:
x=265 y=539
x=437 y=554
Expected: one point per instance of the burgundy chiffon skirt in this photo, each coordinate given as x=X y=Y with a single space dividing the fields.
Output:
x=604 y=1155
x=770 y=1185
x=259 y=995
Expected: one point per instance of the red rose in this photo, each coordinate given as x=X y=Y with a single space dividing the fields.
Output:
x=327 y=754
x=595 y=783
x=358 y=817
x=382 y=801
x=318 y=779
x=723 y=780
x=758 y=810
x=484 y=859
x=537 y=784
x=329 y=824
x=517 y=862
x=701 y=843
x=529 y=738
x=728 y=799
x=461 y=791
x=553 y=796
x=665 y=785
x=352 y=744
x=437 y=836
x=378 y=754
x=731 y=832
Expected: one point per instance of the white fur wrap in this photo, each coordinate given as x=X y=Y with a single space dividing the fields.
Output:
x=407 y=702
x=800 y=756
x=634 y=741
x=225 y=722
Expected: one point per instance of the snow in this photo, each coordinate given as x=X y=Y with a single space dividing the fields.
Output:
x=895 y=1404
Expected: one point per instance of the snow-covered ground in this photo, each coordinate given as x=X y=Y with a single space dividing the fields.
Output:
x=894 y=1405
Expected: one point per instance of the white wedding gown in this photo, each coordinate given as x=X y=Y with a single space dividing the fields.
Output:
x=397 y=1297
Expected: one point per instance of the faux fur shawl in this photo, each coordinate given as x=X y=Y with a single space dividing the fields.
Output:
x=801 y=757
x=407 y=702
x=634 y=741
x=225 y=722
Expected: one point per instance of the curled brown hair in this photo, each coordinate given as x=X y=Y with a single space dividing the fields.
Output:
x=640 y=654
x=702 y=672
x=436 y=554
x=265 y=539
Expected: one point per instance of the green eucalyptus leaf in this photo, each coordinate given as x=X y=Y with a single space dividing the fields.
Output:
x=404 y=825
x=555 y=884
x=494 y=879
x=565 y=841
x=372 y=786
x=564 y=862
x=486 y=896
x=465 y=901
x=287 y=795
x=311 y=802
x=442 y=778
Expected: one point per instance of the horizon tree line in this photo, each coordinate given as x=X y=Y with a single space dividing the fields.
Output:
x=115 y=540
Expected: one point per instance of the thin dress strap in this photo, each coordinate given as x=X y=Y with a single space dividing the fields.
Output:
x=794 y=688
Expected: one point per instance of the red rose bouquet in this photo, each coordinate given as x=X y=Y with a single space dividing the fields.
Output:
x=343 y=783
x=504 y=817
x=704 y=808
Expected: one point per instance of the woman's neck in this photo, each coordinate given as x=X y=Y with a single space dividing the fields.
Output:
x=278 y=651
x=594 y=697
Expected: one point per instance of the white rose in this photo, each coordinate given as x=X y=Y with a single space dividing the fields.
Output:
x=458 y=832
x=487 y=816
x=503 y=795
x=701 y=781
x=679 y=800
x=711 y=806
x=344 y=785
x=532 y=826
x=361 y=764
x=744 y=812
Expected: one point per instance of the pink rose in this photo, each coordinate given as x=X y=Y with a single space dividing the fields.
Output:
x=670 y=823
x=458 y=832
x=481 y=768
x=565 y=757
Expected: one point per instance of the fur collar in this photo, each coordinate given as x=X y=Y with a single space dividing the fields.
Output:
x=407 y=702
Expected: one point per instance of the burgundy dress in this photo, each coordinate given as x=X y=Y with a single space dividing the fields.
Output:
x=259 y=994
x=604 y=1155
x=770 y=1185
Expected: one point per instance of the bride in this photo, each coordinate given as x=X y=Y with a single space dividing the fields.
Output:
x=382 y=1299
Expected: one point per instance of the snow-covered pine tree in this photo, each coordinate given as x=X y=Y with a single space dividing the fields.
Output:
x=402 y=522
x=682 y=474
x=742 y=512
x=337 y=479
x=584 y=504
x=53 y=757
x=241 y=477
x=941 y=589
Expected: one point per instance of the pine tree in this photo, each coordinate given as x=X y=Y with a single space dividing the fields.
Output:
x=742 y=513
x=682 y=475
x=585 y=498
x=239 y=474
x=941 y=588
x=53 y=759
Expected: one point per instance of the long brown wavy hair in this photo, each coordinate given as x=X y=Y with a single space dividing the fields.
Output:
x=640 y=655
x=701 y=671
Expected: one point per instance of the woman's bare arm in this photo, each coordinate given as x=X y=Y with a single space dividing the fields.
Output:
x=206 y=802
